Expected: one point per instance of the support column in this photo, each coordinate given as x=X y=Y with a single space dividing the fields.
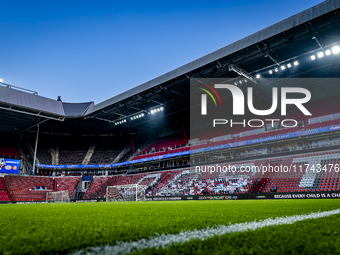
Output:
x=35 y=148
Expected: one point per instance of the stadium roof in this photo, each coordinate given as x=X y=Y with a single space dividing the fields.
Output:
x=32 y=102
x=76 y=109
x=271 y=31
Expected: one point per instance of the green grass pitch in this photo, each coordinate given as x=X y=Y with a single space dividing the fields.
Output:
x=68 y=227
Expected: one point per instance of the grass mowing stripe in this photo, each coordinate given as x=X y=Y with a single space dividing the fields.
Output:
x=163 y=241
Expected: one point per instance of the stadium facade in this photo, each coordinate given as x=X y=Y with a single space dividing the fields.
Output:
x=147 y=135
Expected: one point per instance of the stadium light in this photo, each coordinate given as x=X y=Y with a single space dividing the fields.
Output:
x=155 y=110
x=296 y=63
x=1 y=80
x=336 y=49
x=320 y=54
x=289 y=65
x=283 y=67
x=258 y=76
x=313 y=57
x=276 y=70
x=328 y=52
x=270 y=71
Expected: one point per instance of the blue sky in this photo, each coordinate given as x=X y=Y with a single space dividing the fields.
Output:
x=93 y=50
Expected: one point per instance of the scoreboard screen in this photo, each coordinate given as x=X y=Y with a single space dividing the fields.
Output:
x=9 y=166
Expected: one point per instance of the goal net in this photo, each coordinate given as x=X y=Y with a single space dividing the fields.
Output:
x=120 y=193
x=57 y=197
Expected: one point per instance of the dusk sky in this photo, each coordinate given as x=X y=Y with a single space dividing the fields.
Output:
x=93 y=50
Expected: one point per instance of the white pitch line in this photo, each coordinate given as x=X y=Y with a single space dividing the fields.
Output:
x=162 y=241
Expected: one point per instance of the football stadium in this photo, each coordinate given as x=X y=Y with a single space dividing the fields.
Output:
x=237 y=152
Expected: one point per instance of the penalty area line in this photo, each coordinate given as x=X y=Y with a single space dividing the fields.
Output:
x=165 y=240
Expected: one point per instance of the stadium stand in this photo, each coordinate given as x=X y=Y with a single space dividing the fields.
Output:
x=108 y=148
x=66 y=183
x=7 y=146
x=27 y=188
x=4 y=194
x=317 y=108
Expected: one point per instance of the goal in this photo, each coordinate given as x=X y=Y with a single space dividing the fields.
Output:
x=121 y=193
x=57 y=197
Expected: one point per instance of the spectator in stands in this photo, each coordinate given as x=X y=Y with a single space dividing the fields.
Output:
x=275 y=188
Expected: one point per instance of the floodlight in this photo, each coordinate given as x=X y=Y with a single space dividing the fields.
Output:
x=258 y=76
x=296 y=63
x=283 y=67
x=336 y=49
x=328 y=52
x=321 y=54
x=312 y=57
x=162 y=108
x=1 y=80
x=276 y=70
x=270 y=71
x=289 y=65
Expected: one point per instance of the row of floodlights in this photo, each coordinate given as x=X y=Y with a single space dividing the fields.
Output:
x=120 y=122
x=321 y=54
x=137 y=116
x=159 y=109
x=153 y=111
x=282 y=67
x=240 y=82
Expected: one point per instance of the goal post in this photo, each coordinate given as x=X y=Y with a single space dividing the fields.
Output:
x=130 y=192
x=57 y=197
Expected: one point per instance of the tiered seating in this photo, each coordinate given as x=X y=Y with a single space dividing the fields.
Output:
x=97 y=183
x=304 y=178
x=152 y=145
x=44 y=157
x=322 y=124
x=330 y=179
x=268 y=134
x=172 y=141
x=316 y=108
x=239 y=129
x=7 y=146
x=162 y=145
x=150 y=155
x=208 y=133
x=130 y=179
x=4 y=196
x=108 y=148
x=231 y=140
x=22 y=187
x=73 y=149
x=67 y=183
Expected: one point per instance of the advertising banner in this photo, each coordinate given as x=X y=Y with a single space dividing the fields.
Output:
x=9 y=166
